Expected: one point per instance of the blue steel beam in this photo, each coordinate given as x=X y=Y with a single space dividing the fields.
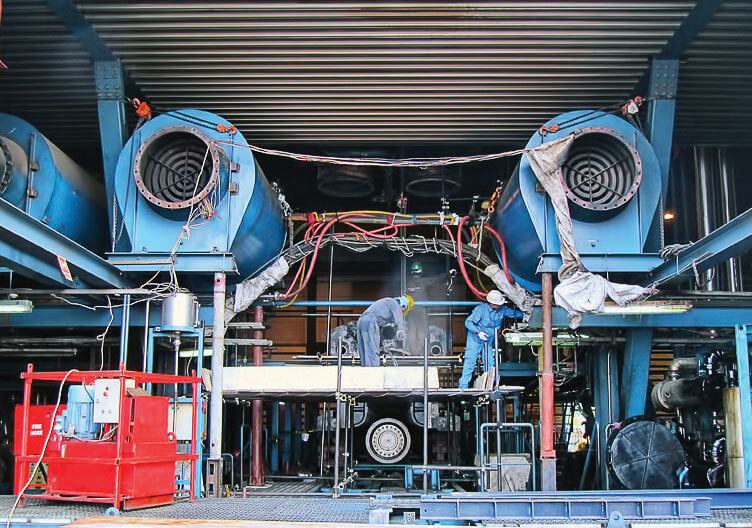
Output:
x=113 y=133
x=76 y=316
x=742 y=363
x=663 y=82
x=32 y=248
x=697 y=317
x=729 y=240
x=635 y=370
x=613 y=263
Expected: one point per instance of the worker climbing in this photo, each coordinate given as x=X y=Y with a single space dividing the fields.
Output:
x=481 y=326
x=389 y=310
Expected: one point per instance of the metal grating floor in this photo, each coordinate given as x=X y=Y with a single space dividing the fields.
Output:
x=266 y=508
x=311 y=509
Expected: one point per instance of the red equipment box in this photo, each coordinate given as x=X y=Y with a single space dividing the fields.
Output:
x=133 y=468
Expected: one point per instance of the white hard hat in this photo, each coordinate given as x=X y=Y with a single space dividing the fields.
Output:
x=495 y=297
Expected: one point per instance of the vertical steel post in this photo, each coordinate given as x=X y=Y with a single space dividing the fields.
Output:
x=214 y=465
x=146 y=335
x=635 y=370
x=125 y=326
x=663 y=82
x=257 y=457
x=606 y=400
x=337 y=419
x=113 y=129
x=198 y=403
x=425 y=415
x=329 y=305
x=742 y=363
x=194 y=431
x=547 y=452
x=23 y=474
x=499 y=407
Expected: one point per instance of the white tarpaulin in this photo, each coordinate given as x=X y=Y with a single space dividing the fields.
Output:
x=250 y=289
x=578 y=291
x=586 y=292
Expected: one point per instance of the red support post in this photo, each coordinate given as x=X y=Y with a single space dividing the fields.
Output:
x=547 y=452
x=257 y=462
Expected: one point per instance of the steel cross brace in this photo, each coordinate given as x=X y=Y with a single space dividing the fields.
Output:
x=729 y=240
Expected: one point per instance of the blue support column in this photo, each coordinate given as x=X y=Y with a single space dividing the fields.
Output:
x=635 y=370
x=274 y=457
x=742 y=363
x=664 y=79
x=113 y=130
x=200 y=418
x=297 y=428
x=606 y=392
x=287 y=437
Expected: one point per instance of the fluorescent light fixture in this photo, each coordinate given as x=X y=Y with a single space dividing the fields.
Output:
x=647 y=308
x=16 y=306
x=194 y=353
x=536 y=338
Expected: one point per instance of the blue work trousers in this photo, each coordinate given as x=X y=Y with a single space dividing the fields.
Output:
x=369 y=340
x=474 y=348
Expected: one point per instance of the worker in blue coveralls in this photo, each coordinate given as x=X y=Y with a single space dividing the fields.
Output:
x=481 y=326
x=390 y=310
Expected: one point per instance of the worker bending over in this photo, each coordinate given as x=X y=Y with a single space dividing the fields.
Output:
x=481 y=326
x=390 y=310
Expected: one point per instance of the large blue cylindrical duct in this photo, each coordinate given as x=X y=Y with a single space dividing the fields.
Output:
x=612 y=181
x=39 y=178
x=178 y=164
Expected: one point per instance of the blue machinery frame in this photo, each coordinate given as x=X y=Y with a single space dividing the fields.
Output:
x=198 y=334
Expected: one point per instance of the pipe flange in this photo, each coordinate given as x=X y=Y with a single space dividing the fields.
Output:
x=163 y=164
x=388 y=440
x=602 y=171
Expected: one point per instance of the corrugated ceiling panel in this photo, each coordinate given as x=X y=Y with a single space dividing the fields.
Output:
x=377 y=72
x=714 y=102
x=384 y=71
x=49 y=80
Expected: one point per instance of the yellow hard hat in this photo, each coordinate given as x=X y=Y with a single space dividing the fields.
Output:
x=406 y=301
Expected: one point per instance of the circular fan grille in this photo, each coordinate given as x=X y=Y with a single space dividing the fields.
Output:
x=602 y=170
x=168 y=169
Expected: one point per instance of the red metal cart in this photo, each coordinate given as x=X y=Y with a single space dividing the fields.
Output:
x=134 y=469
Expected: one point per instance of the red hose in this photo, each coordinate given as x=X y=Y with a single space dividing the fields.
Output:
x=498 y=238
x=461 y=262
x=375 y=232
x=321 y=232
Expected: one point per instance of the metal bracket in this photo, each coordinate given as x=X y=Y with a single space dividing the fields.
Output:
x=664 y=79
x=616 y=520
x=108 y=79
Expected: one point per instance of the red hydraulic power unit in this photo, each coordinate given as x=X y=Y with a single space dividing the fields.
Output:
x=128 y=462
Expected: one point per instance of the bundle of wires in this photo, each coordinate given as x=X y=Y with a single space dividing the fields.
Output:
x=321 y=232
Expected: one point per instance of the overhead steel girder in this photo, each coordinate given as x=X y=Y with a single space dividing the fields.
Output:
x=729 y=240
x=31 y=248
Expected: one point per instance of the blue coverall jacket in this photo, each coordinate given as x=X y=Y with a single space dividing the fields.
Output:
x=482 y=319
x=380 y=313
